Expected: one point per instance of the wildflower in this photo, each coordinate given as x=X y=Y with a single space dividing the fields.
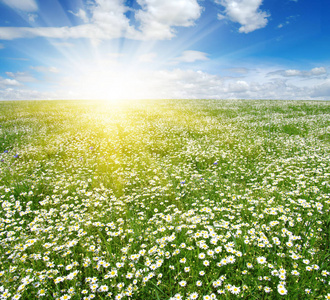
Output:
x=249 y=265
x=231 y=259
x=193 y=296
x=119 y=296
x=282 y=290
x=42 y=292
x=261 y=260
x=183 y=283
x=177 y=297
x=206 y=263
x=103 y=288
x=94 y=287
x=217 y=283
x=235 y=290
x=282 y=276
x=120 y=285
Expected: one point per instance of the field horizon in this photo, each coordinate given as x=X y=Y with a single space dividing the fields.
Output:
x=165 y=199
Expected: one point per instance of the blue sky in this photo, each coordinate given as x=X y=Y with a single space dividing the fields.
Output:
x=116 y=49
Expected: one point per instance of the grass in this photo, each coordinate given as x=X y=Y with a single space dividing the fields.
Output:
x=171 y=199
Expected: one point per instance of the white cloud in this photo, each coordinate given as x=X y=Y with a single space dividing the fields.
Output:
x=32 y=17
x=80 y=14
x=245 y=12
x=147 y=58
x=26 y=94
x=4 y=82
x=238 y=70
x=25 y=5
x=158 y=17
x=111 y=83
x=221 y=17
x=115 y=55
x=298 y=73
x=288 y=21
x=43 y=69
x=190 y=56
x=322 y=90
x=21 y=76
x=281 y=25
x=63 y=44
x=239 y=86
x=318 y=71
x=108 y=21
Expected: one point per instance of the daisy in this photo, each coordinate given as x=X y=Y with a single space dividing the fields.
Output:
x=261 y=260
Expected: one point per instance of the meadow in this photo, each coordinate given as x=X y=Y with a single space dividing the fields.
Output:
x=166 y=199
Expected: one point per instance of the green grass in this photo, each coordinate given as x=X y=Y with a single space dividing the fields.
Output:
x=171 y=199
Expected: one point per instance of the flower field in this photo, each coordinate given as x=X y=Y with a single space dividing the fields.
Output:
x=170 y=199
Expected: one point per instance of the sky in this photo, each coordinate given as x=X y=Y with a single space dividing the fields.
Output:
x=164 y=49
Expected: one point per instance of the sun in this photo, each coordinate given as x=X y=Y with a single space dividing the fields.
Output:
x=112 y=81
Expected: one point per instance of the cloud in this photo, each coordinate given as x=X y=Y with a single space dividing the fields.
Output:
x=18 y=58
x=318 y=71
x=322 y=90
x=63 y=44
x=112 y=83
x=26 y=94
x=43 y=69
x=239 y=86
x=24 y=5
x=32 y=17
x=5 y=82
x=108 y=21
x=238 y=70
x=281 y=25
x=80 y=14
x=147 y=58
x=21 y=76
x=198 y=85
x=245 y=12
x=190 y=56
x=109 y=83
x=156 y=18
x=288 y=21
x=297 y=73
x=2 y=46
